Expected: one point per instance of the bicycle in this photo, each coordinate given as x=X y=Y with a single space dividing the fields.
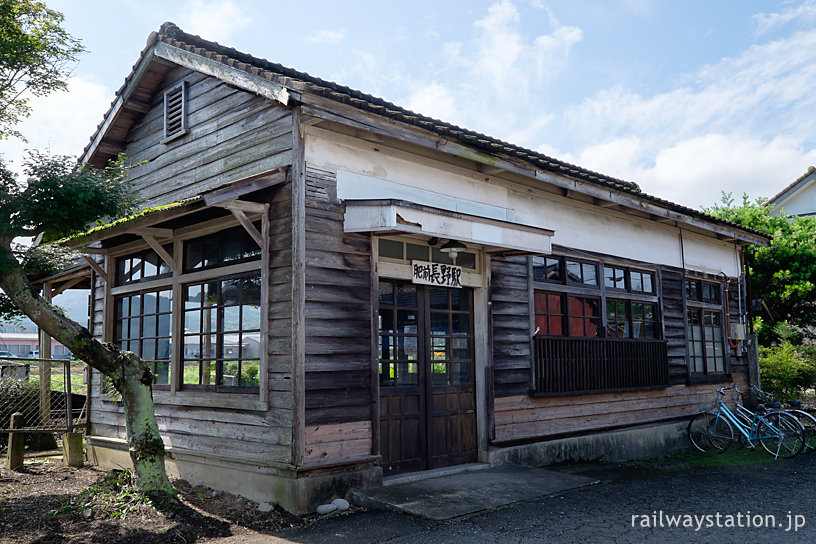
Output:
x=806 y=419
x=779 y=433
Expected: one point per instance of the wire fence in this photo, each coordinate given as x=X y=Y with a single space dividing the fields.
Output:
x=50 y=395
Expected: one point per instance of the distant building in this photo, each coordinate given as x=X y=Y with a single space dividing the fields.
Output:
x=798 y=198
x=23 y=341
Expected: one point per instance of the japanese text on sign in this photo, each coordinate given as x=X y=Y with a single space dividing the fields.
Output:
x=443 y=275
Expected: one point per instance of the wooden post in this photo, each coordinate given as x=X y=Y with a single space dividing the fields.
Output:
x=16 y=443
x=45 y=368
x=72 y=454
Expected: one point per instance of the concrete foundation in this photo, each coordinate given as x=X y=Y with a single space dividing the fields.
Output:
x=611 y=446
x=297 y=492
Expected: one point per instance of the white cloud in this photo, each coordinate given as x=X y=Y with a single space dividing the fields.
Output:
x=434 y=100
x=804 y=12
x=61 y=123
x=216 y=20
x=327 y=36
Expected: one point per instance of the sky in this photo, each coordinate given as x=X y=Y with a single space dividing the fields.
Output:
x=687 y=99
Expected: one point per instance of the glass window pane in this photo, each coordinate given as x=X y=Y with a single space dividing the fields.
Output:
x=460 y=324
x=466 y=260
x=252 y=290
x=407 y=374
x=439 y=348
x=386 y=293
x=406 y=296
x=387 y=347
x=439 y=323
x=387 y=374
x=230 y=291
x=556 y=325
x=250 y=317
x=192 y=296
x=438 y=298
x=390 y=249
x=407 y=348
x=647 y=283
x=439 y=373
x=386 y=320
x=149 y=349
x=135 y=306
x=590 y=273
x=636 y=279
x=149 y=325
x=192 y=321
x=194 y=255
x=162 y=373
x=250 y=373
x=149 y=303
x=232 y=318
x=438 y=257
x=574 y=272
x=151 y=264
x=460 y=300
x=163 y=348
x=460 y=349
x=407 y=321
x=414 y=252
x=231 y=250
x=461 y=374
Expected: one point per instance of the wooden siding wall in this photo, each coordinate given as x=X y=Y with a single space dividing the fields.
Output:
x=510 y=303
x=338 y=309
x=233 y=134
x=247 y=434
x=523 y=417
x=674 y=322
x=327 y=444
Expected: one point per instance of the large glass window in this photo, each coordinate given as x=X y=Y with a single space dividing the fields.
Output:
x=561 y=314
x=222 y=333
x=631 y=319
x=706 y=341
x=142 y=324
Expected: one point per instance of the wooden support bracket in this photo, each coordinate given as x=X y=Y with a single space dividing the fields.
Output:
x=247 y=224
x=157 y=247
x=95 y=265
x=65 y=286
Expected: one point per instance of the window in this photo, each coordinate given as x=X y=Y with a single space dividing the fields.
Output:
x=144 y=265
x=175 y=111
x=222 y=333
x=560 y=314
x=625 y=279
x=630 y=319
x=201 y=328
x=231 y=246
x=706 y=341
x=399 y=250
x=142 y=325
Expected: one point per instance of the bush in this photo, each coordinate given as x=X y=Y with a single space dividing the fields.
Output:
x=787 y=370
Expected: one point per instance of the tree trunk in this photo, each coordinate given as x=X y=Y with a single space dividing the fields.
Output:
x=131 y=376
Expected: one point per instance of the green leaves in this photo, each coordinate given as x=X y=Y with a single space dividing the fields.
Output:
x=784 y=274
x=36 y=57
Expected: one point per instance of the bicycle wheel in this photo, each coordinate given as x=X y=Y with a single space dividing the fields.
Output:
x=808 y=422
x=781 y=434
x=708 y=432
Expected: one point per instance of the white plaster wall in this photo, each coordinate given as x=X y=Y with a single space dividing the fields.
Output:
x=802 y=202
x=576 y=225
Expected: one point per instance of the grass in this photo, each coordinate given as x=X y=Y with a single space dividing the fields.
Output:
x=693 y=460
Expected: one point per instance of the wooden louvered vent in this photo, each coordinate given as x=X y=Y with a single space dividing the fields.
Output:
x=175 y=111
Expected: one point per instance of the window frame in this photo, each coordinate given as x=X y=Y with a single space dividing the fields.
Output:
x=176 y=394
x=701 y=305
x=604 y=293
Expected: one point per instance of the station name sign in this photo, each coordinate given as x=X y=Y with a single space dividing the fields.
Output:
x=441 y=275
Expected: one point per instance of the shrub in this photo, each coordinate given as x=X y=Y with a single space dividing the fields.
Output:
x=786 y=370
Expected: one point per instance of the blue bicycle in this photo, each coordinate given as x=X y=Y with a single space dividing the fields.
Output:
x=779 y=433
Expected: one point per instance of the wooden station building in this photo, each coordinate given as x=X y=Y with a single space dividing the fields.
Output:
x=334 y=289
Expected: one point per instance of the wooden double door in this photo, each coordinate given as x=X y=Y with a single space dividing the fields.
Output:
x=426 y=376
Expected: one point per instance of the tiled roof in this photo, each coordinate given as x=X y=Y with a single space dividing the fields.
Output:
x=792 y=187
x=172 y=35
